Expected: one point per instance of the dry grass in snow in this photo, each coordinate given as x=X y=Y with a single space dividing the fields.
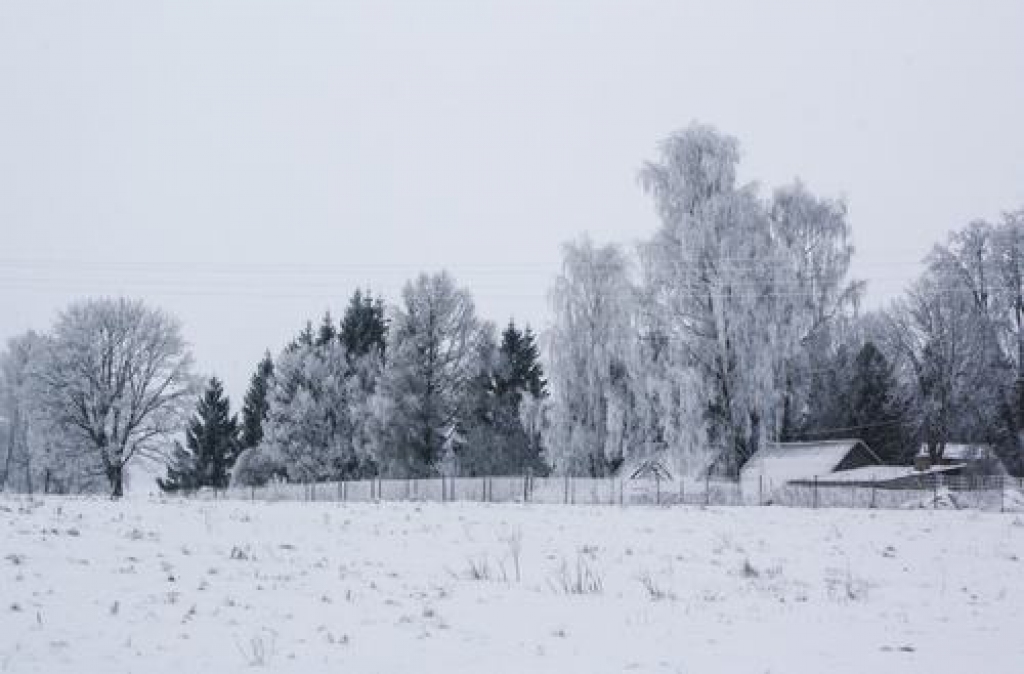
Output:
x=177 y=586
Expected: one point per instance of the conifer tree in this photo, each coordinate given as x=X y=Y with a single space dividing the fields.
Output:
x=876 y=412
x=212 y=442
x=327 y=332
x=857 y=396
x=363 y=327
x=497 y=443
x=520 y=370
x=305 y=338
x=181 y=471
x=254 y=406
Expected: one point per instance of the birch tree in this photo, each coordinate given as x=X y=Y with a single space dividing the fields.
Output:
x=711 y=272
x=743 y=285
x=593 y=304
x=815 y=297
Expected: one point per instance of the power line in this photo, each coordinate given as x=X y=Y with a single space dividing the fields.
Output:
x=826 y=431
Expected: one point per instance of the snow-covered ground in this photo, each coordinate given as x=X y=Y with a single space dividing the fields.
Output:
x=176 y=586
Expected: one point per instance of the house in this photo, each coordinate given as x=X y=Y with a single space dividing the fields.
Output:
x=783 y=462
x=973 y=458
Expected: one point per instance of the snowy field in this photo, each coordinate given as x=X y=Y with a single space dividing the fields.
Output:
x=175 y=586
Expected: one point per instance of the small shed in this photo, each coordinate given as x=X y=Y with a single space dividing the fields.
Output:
x=782 y=462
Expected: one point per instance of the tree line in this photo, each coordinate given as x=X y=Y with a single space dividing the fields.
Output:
x=735 y=324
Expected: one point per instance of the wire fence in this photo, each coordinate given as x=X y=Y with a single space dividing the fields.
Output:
x=991 y=493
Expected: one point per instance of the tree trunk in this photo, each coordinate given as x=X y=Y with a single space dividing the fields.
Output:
x=11 y=439
x=115 y=474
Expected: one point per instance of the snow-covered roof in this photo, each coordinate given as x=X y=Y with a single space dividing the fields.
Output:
x=956 y=451
x=884 y=473
x=786 y=461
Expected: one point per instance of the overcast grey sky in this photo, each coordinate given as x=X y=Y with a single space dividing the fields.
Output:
x=246 y=164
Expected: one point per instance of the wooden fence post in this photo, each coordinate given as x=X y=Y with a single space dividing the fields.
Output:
x=707 y=489
x=815 y=491
x=657 y=489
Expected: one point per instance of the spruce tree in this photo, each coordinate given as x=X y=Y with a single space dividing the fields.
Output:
x=363 y=328
x=876 y=414
x=305 y=338
x=327 y=332
x=212 y=442
x=497 y=442
x=254 y=406
x=828 y=402
x=520 y=370
x=857 y=397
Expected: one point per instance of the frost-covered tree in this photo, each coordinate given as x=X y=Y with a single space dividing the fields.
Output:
x=956 y=337
x=258 y=465
x=432 y=359
x=363 y=335
x=956 y=390
x=17 y=398
x=740 y=287
x=309 y=423
x=117 y=380
x=713 y=274
x=317 y=418
x=592 y=334
x=1007 y=269
x=814 y=294
x=212 y=445
x=36 y=456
